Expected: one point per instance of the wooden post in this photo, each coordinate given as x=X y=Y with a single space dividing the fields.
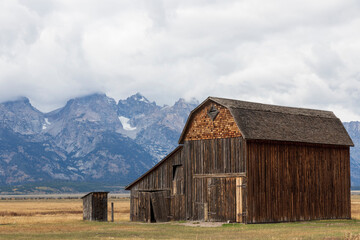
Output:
x=206 y=212
x=112 y=212
x=148 y=197
x=239 y=210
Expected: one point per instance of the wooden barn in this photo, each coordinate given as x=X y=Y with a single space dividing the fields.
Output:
x=95 y=206
x=252 y=163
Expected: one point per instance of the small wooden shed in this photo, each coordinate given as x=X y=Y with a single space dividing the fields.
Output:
x=95 y=206
x=252 y=163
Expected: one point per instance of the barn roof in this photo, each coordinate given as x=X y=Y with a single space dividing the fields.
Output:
x=258 y=121
x=128 y=187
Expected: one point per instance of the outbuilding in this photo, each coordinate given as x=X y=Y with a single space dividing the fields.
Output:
x=95 y=206
x=252 y=163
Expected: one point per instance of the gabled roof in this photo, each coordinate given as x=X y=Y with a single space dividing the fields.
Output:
x=128 y=187
x=258 y=121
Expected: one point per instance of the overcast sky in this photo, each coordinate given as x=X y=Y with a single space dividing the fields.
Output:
x=294 y=53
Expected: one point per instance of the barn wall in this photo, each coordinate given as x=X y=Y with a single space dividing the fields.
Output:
x=211 y=169
x=201 y=126
x=216 y=155
x=292 y=182
x=160 y=179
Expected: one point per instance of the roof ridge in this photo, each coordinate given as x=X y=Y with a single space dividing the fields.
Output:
x=286 y=112
x=255 y=104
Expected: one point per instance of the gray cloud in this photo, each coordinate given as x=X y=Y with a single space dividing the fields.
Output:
x=297 y=53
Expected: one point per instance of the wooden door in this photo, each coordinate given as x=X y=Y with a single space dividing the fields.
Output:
x=212 y=196
x=221 y=199
x=144 y=207
x=160 y=206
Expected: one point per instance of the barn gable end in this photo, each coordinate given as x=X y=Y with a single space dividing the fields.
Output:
x=201 y=125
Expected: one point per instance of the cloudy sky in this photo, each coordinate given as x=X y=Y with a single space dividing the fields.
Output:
x=295 y=53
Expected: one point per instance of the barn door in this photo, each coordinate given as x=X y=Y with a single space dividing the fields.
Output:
x=144 y=207
x=221 y=199
x=160 y=206
x=212 y=196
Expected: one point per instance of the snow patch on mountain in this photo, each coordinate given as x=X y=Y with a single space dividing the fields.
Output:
x=46 y=124
x=71 y=168
x=140 y=98
x=143 y=100
x=126 y=125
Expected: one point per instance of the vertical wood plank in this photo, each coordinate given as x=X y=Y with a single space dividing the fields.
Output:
x=293 y=182
x=239 y=201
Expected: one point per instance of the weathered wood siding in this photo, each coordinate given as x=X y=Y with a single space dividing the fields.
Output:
x=152 y=206
x=95 y=207
x=201 y=126
x=294 y=182
x=87 y=208
x=211 y=169
x=160 y=179
x=223 y=155
x=100 y=206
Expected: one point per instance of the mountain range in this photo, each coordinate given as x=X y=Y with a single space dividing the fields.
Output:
x=96 y=139
x=90 y=139
x=353 y=128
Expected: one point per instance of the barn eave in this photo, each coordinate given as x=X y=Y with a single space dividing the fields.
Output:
x=128 y=187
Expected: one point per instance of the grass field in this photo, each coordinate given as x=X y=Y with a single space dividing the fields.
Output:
x=62 y=219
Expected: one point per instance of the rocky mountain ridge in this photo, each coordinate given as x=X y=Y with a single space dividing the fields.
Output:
x=91 y=138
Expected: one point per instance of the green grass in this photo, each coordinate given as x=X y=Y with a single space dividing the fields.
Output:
x=337 y=229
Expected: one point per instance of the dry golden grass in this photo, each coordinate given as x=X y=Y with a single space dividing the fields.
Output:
x=52 y=210
x=355 y=207
x=62 y=219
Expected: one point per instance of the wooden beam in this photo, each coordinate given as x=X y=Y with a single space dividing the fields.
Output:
x=219 y=175
x=153 y=189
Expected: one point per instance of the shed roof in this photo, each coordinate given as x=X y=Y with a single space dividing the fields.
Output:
x=258 y=121
x=91 y=193
x=128 y=187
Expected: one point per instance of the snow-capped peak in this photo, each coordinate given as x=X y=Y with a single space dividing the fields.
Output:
x=140 y=98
